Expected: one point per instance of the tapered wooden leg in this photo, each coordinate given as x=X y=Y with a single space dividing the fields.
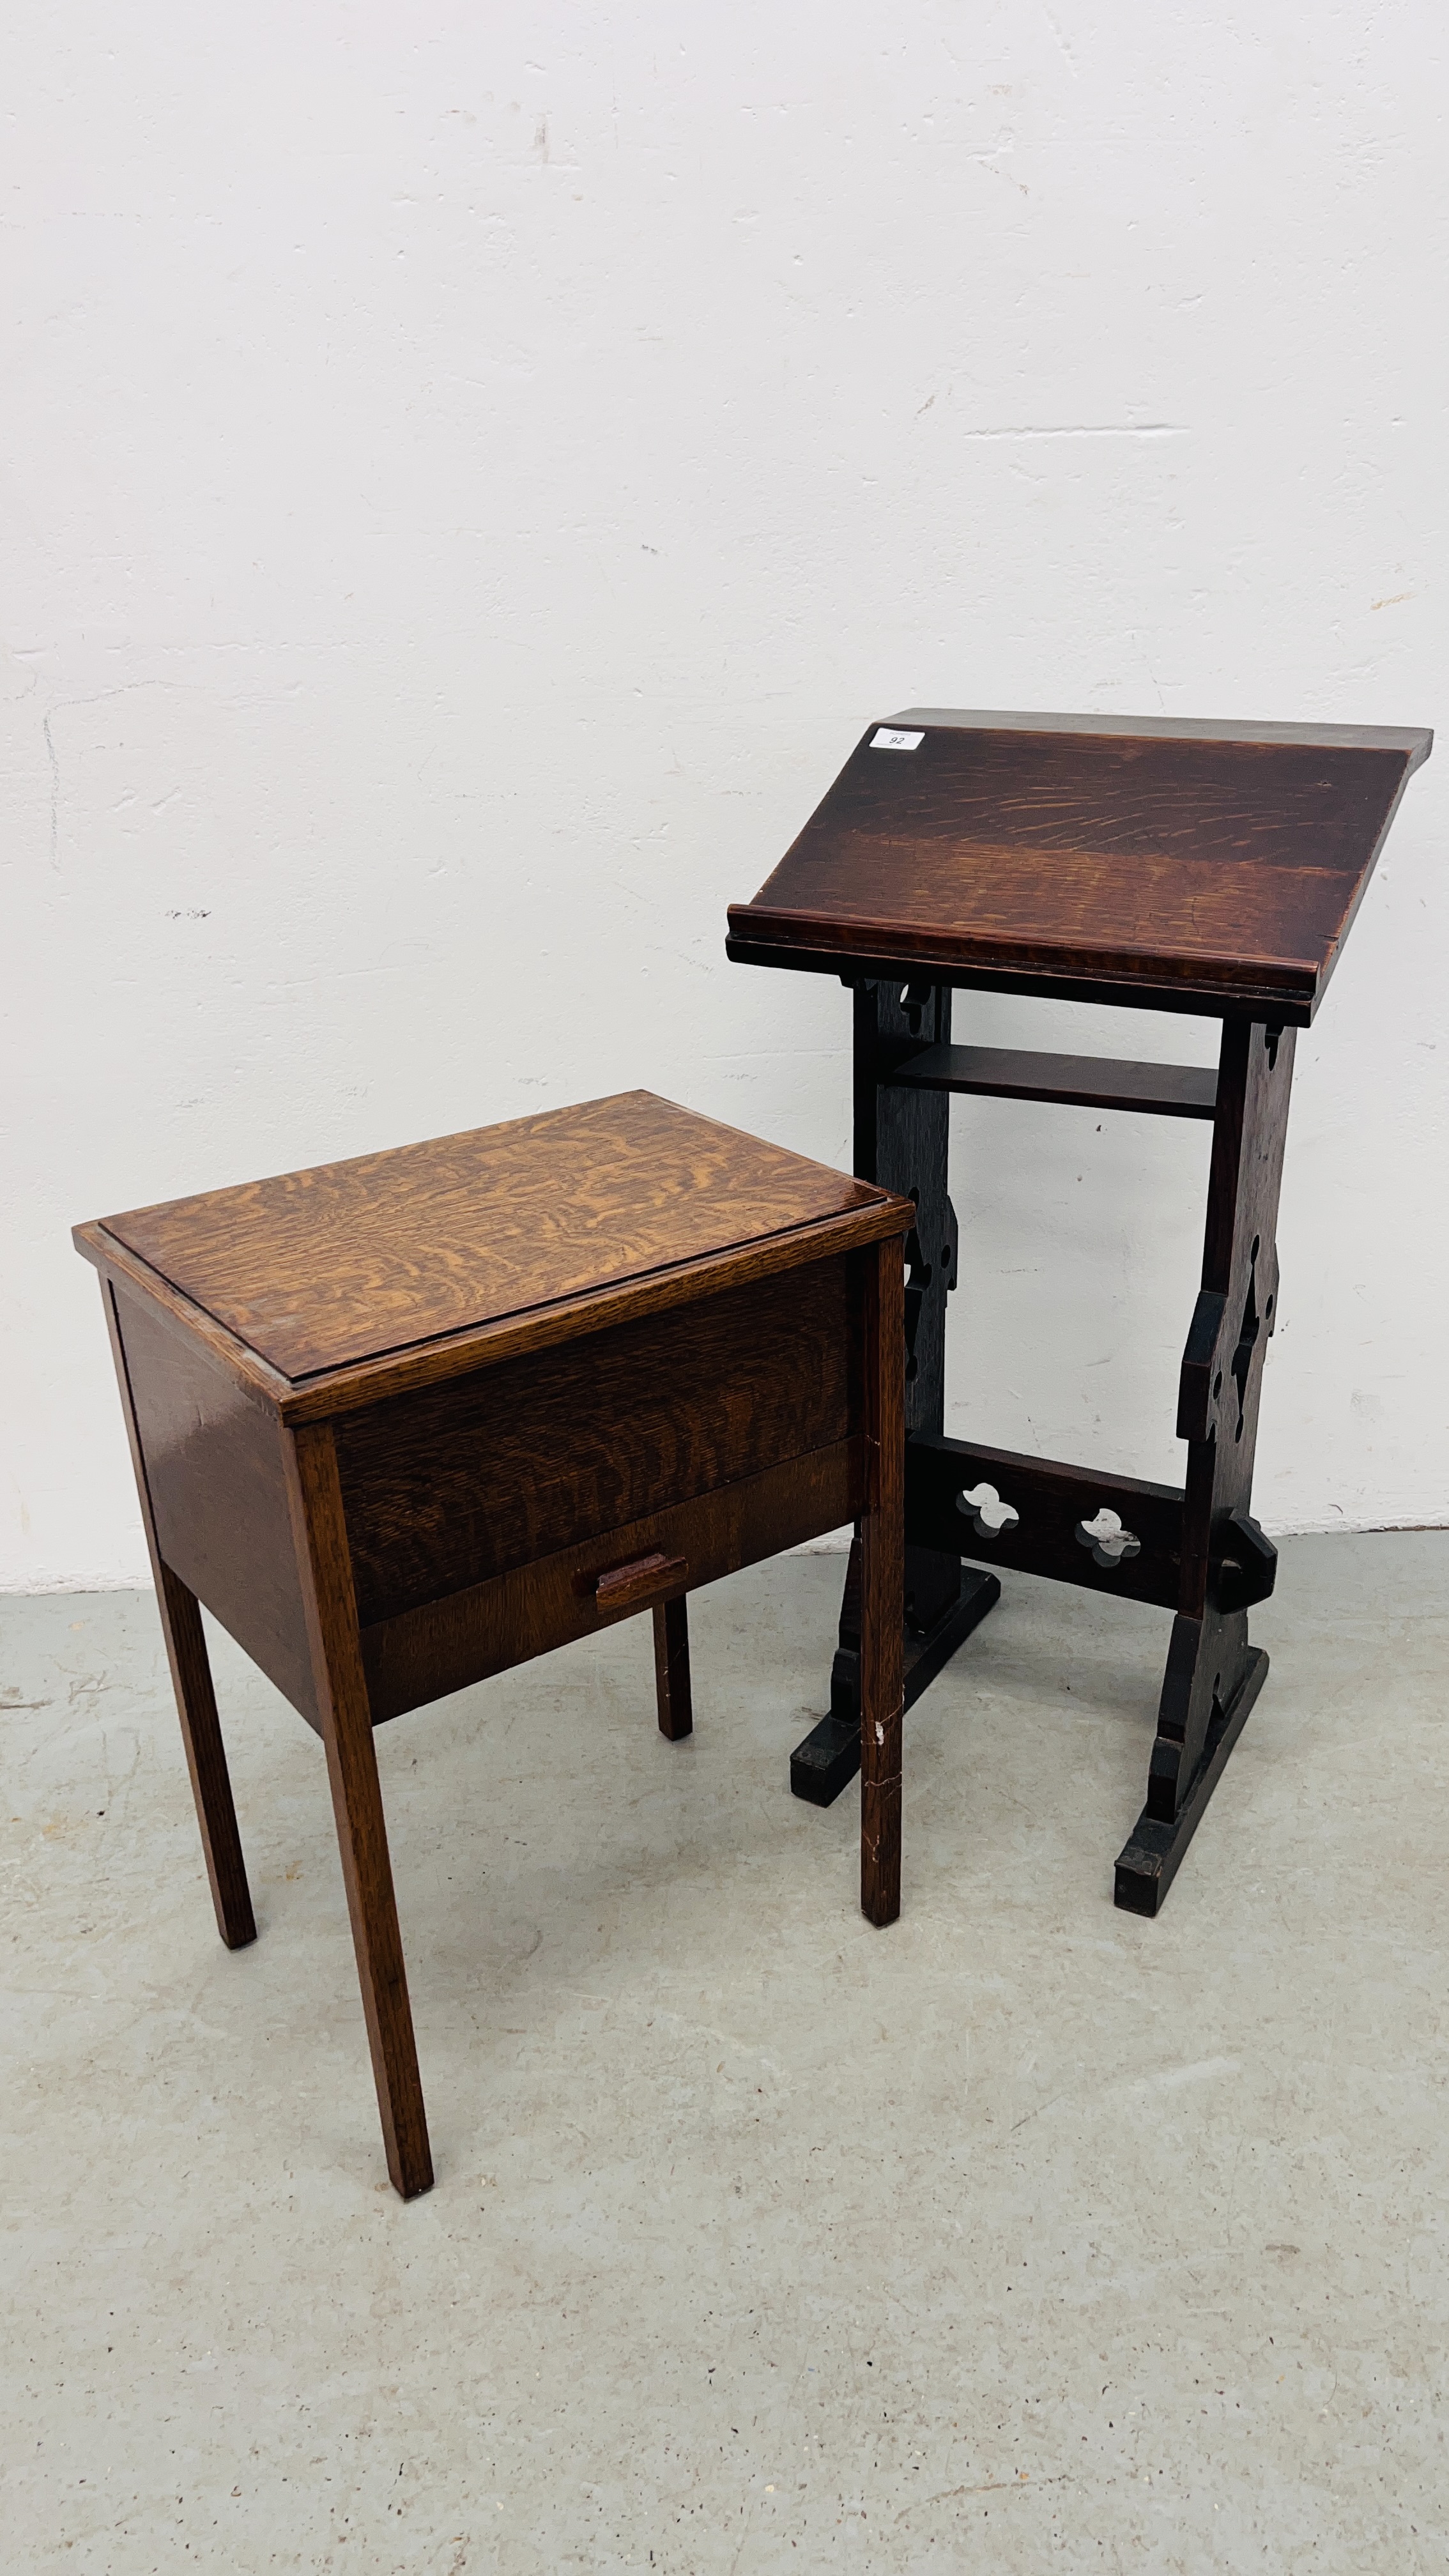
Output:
x=882 y=1706
x=671 y=1669
x=206 y=1760
x=325 y=1568
x=195 y=1698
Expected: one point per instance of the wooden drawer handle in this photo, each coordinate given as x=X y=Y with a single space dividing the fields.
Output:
x=644 y=1578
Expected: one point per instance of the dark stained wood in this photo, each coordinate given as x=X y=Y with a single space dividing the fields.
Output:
x=1052 y=1502
x=321 y=1270
x=408 y=1520
x=1058 y=1508
x=882 y=1707
x=320 y=1532
x=191 y=1680
x=1051 y=984
x=671 y=1670
x=1237 y=1311
x=463 y=1637
x=218 y=1488
x=448 y=1486
x=901 y=1140
x=826 y=1760
x=1077 y=1081
x=1155 y=1849
x=1156 y=863
x=1213 y=1671
x=640 y=1580
x=1222 y=868
x=902 y=1144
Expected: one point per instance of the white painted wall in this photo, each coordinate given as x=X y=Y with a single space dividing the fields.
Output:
x=469 y=473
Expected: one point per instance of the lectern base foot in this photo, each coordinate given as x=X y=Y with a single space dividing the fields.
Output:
x=1153 y=1854
x=829 y=1757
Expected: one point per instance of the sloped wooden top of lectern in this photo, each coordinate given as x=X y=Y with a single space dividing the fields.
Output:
x=505 y=1236
x=1180 y=865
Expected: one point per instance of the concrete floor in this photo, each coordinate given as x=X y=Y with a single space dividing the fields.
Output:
x=1027 y=2234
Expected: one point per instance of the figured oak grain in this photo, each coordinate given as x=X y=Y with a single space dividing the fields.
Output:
x=456 y=1483
x=445 y=1645
x=464 y=1478
x=323 y=1269
x=1226 y=868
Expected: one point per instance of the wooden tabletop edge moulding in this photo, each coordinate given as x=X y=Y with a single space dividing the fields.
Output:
x=1245 y=982
x=346 y=1389
x=113 y=1258
x=1416 y=740
x=851 y=967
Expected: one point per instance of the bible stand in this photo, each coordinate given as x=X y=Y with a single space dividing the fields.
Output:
x=1200 y=868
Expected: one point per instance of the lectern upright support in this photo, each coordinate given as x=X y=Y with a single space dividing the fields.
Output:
x=901 y=1138
x=1210 y=869
x=1213 y=1673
